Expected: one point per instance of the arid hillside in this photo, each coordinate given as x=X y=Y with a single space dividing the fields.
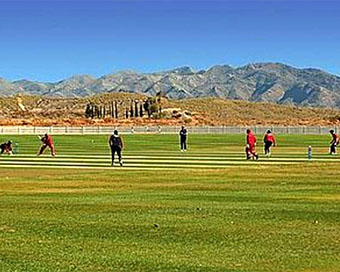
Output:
x=36 y=110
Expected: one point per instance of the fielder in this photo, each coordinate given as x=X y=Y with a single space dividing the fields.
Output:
x=250 y=148
x=334 y=142
x=269 y=141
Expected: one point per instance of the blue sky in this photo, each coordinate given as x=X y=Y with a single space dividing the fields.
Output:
x=52 y=40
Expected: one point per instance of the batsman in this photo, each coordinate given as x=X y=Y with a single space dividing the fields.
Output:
x=46 y=141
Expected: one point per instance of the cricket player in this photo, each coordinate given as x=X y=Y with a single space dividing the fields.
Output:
x=251 y=143
x=183 y=138
x=269 y=141
x=334 y=142
x=46 y=141
x=116 y=145
x=6 y=148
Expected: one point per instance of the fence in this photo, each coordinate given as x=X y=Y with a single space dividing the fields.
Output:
x=22 y=130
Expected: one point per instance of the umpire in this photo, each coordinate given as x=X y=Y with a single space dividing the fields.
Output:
x=116 y=145
x=183 y=138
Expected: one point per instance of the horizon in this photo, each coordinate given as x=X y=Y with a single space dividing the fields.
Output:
x=54 y=40
x=160 y=71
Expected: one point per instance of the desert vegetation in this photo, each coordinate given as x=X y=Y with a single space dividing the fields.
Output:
x=37 y=110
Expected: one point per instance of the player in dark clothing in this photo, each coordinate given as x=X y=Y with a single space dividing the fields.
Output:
x=183 y=138
x=6 y=147
x=269 y=141
x=334 y=142
x=116 y=145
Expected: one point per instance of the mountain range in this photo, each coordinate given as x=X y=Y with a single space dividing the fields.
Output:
x=263 y=82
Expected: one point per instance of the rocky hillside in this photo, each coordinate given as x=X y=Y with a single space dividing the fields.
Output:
x=264 y=82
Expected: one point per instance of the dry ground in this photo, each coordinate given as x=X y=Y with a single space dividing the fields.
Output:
x=210 y=111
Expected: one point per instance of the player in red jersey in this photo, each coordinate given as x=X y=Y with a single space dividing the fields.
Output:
x=47 y=142
x=334 y=142
x=269 y=141
x=251 y=142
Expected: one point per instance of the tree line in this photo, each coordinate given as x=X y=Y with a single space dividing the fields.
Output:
x=120 y=109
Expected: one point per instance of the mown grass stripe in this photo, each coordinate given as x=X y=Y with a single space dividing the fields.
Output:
x=171 y=160
x=186 y=159
x=90 y=168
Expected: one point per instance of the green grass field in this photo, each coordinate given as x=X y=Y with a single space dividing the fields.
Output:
x=204 y=210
